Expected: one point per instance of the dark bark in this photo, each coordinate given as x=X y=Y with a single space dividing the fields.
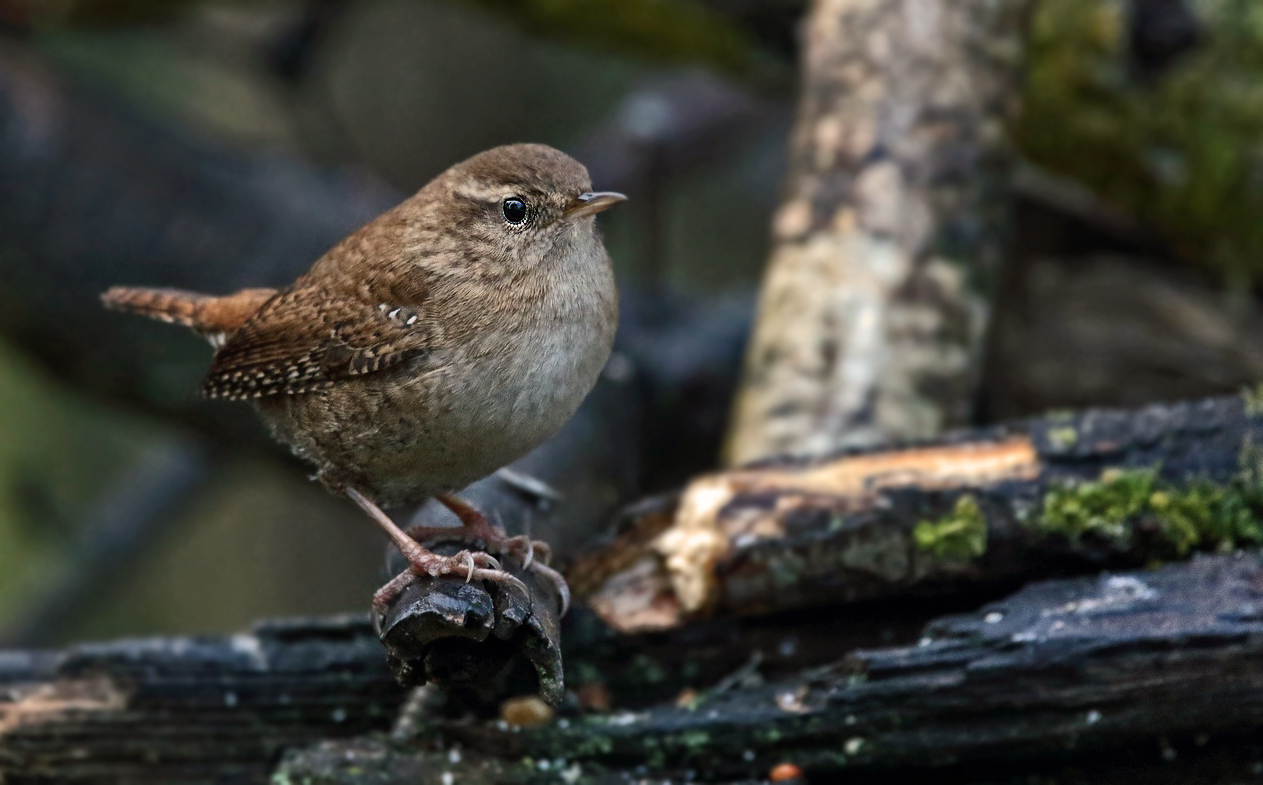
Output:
x=482 y=641
x=190 y=709
x=1067 y=493
x=1067 y=680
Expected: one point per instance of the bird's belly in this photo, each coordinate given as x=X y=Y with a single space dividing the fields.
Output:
x=404 y=437
x=508 y=407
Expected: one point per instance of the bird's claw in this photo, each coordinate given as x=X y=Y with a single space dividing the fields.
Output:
x=525 y=549
x=475 y=565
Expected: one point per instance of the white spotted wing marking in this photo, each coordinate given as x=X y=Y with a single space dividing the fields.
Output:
x=298 y=345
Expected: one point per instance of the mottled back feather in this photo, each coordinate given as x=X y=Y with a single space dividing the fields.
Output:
x=307 y=338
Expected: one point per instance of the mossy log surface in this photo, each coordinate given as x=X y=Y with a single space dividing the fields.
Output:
x=1153 y=676
x=1141 y=677
x=1051 y=496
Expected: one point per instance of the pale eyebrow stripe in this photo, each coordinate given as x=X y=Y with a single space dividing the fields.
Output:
x=478 y=193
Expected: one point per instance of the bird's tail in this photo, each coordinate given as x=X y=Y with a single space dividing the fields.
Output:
x=207 y=314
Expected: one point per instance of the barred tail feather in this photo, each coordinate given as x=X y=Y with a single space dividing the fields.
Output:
x=169 y=305
x=205 y=313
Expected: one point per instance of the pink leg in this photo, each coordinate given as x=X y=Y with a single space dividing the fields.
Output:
x=472 y=518
x=422 y=561
x=476 y=523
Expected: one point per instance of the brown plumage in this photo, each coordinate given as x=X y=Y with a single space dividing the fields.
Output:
x=441 y=341
x=211 y=316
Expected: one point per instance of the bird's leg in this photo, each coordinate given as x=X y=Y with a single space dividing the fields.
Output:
x=472 y=519
x=534 y=554
x=422 y=561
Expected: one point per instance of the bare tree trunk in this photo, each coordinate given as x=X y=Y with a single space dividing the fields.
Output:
x=876 y=301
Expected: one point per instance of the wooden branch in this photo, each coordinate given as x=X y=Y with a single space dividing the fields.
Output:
x=1067 y=493
x=480 y=641
x=190 y=709
x=887 y=248
x=1160 y=668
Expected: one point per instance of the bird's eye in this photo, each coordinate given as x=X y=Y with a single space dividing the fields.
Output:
x=514 y=209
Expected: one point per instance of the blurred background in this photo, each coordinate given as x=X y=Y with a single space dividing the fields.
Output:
x=214 y=144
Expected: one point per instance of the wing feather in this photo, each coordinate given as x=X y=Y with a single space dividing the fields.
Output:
x=308 y=338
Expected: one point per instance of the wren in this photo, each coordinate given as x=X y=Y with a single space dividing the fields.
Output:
x=443 y=340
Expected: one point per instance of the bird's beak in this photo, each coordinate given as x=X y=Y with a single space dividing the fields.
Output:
x=592 y=203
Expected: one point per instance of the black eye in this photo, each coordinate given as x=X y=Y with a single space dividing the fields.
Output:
x=514 y=210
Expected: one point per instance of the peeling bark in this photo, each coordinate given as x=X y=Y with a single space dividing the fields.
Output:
x=991 y=508
x=888 y=245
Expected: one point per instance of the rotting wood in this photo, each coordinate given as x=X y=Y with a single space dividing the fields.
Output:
x=888 y=245
x=1065 y=493
x=190 y=709
x=480 y=641
x=1062 y=677
x=1068 y=680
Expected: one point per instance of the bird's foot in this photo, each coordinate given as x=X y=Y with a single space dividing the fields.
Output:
x=533 y=555
x=472 y=566
x=422 y=561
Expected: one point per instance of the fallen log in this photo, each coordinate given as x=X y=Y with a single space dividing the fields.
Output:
x=1141 y=677
x=190 y=709
x=1067 y=679
x=1057 y=495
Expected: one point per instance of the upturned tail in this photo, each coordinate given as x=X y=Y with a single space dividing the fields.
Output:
x=213 y=316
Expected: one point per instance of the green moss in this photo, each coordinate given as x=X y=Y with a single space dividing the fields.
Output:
x=1198 y=514
x=1250 y=466
x=694 y=738
x=1183 y=152
x=1063 y=438
x=647 y=670
x=1253 y=399
x=768 y=735
x=590 y=744
x=961 y=534
x=1103 y=508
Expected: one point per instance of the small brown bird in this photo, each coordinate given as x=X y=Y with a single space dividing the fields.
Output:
x=443 y=340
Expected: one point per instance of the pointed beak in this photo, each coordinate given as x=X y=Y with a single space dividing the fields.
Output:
x=592 y=203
